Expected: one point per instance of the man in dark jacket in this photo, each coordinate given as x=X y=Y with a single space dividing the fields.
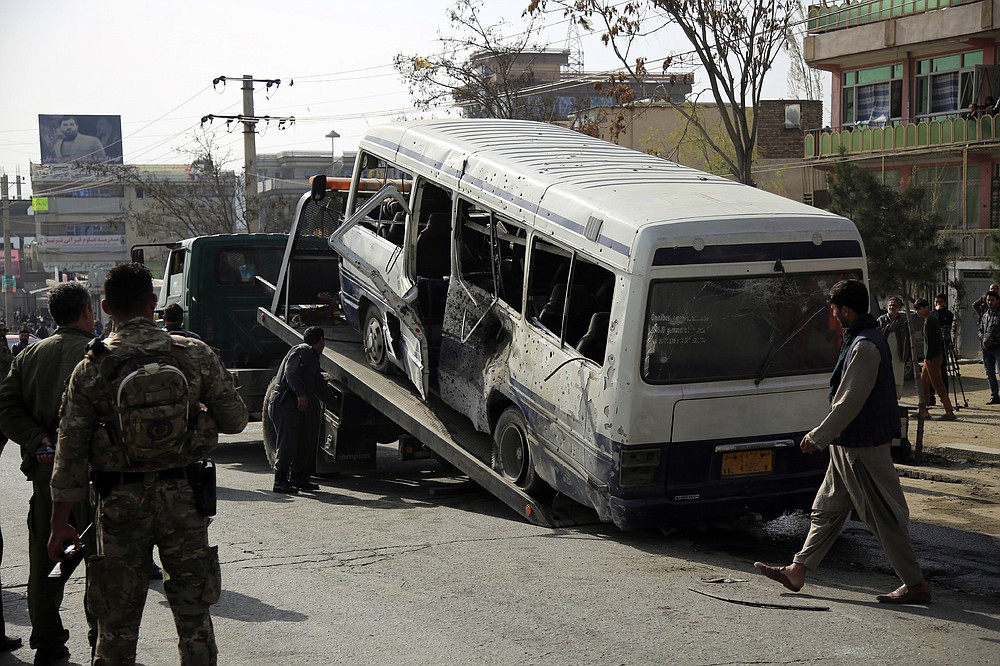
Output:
x=294 y=409
x=863 y=420
x=22 y=342
x=173 y=321
x=29 y=415
x=989 y=337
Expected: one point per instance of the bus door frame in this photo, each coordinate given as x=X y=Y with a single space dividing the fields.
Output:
x=402 y=303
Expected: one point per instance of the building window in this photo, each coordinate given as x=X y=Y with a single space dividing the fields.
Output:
x=945 y=85
x=793 y=116
x=872 y=97
x=944 y=186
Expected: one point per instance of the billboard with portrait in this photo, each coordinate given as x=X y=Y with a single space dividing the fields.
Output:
x=75 y=139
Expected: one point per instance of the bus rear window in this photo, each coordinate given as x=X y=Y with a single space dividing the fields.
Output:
x=725 y=329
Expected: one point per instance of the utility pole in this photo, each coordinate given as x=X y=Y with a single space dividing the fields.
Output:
x=252 y=213
x=8 y=269
x=250 y=159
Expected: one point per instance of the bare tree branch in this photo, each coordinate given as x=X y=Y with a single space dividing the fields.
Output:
x=483 y=68
x=170 y=206
x=734 y=41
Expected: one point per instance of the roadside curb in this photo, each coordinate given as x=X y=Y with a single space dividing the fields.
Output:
x=969 y=452
x=910 y=472
x=981 y=453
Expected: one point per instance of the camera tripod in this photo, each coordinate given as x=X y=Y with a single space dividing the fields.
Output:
x=954 y=374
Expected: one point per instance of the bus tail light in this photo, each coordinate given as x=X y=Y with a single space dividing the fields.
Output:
x=208 y=331
x=639 y=467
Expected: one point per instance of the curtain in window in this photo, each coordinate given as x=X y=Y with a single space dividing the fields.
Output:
x=944 y=92
x=873 y=104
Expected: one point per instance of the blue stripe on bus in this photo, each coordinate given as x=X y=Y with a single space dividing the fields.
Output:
x=523 y=204
x=729 y=254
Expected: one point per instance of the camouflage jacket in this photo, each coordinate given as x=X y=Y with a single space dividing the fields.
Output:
x=30 y=394
x=84 y=439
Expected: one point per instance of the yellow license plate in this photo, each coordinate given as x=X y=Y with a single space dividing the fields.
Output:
x=743 y=463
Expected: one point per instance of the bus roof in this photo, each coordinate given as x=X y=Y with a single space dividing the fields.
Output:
x=597 y=195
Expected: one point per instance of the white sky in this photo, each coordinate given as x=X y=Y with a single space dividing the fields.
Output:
x=153 y=64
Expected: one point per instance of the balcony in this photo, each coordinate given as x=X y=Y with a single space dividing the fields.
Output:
x=897 y=139
x=973 y=244
x=848 y=15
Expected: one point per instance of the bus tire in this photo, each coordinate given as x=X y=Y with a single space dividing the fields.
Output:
x=373 y=340
x=268 y=433
x=511 y=453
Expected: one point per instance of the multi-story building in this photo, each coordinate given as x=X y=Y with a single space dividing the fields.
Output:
x=28 y=273
x=905 y=75
x=81 y=214
x=283 y=177
x=73 y=212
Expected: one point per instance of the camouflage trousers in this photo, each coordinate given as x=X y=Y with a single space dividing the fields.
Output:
x=131 y=519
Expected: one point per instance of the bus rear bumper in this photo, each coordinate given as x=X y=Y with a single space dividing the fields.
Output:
x=656 y=512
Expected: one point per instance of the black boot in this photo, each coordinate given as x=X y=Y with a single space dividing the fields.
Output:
x=281 y=484
x=302 y=482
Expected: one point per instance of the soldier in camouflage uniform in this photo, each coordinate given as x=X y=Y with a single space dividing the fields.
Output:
x=29 y=415
x=142 y=504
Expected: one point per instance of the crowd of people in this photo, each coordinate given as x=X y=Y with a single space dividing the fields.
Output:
x=938 y=345
x=107 y=435
x=35 y=322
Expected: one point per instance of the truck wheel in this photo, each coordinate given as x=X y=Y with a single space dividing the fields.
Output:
x=511 y=454
x=373 y=339
x=269 y=436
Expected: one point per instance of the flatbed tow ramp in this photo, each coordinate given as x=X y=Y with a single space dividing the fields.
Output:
x=438 y=427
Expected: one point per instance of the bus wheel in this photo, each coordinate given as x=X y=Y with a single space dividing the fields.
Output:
x=373 y=339
x=511 y=456
x=269 y=435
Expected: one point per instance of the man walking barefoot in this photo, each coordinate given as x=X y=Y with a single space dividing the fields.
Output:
x=862 y=422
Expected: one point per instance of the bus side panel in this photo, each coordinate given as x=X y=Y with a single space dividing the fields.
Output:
x=470 y=372
x=562 y=397
x=355 y=294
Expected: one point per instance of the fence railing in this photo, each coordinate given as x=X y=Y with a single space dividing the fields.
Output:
x=907 y=136
x=849 y=14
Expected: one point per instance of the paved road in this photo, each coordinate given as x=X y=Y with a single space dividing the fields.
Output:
x=412 y=566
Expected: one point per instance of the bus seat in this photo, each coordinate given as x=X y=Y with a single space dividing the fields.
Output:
x=434 y=247
x=551 y=314
x=580 y=309
x=594 y=342
x=578 y=314
x=395 y=231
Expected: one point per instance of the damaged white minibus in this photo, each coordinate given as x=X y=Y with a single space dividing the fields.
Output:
x=647 y=339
